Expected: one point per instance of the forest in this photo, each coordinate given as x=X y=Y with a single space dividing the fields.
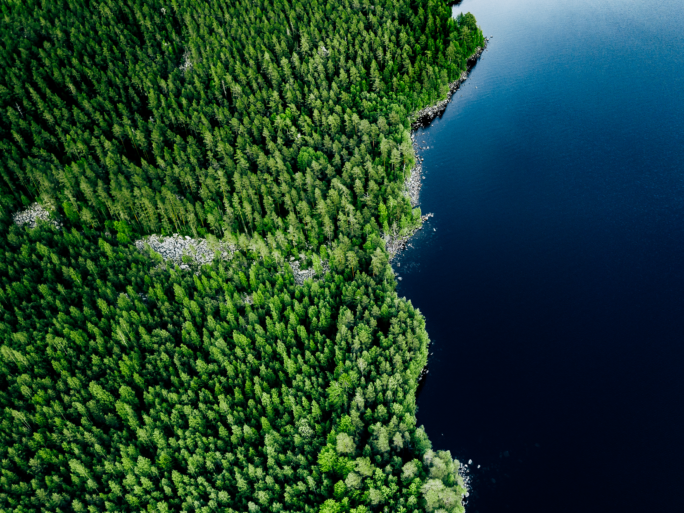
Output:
x=129 y=383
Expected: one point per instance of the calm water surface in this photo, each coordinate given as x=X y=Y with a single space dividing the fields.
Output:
x=552 y=275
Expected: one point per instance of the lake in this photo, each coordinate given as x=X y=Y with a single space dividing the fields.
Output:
x=552 y=275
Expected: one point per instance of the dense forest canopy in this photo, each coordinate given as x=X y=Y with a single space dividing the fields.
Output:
x=130 y=384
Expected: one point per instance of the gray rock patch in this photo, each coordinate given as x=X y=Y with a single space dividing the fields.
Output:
x=301 y=275
x=31 y=215
x=175 y=247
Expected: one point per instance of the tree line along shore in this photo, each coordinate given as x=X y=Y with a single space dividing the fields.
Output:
x=279 y=377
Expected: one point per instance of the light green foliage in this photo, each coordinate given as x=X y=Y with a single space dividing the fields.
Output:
x=177 y=393
x=345 y=444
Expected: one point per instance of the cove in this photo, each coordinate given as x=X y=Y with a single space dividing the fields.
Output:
x=552 y=275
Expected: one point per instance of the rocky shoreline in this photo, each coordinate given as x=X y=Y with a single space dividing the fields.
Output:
x=414 y=182
x=395 y=243
x=425 y=116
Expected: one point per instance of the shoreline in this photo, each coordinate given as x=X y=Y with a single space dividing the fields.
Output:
x=396 y=243
x=394 y=246
x=426 y=115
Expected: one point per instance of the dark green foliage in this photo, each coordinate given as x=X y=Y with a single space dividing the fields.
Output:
x=129 y=386
x=201 y=117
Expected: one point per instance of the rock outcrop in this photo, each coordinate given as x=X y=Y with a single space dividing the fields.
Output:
x=32 y=214
x=301 y=275
x=174 y=248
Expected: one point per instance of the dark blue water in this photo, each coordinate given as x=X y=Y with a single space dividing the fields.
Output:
x=553 y=286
